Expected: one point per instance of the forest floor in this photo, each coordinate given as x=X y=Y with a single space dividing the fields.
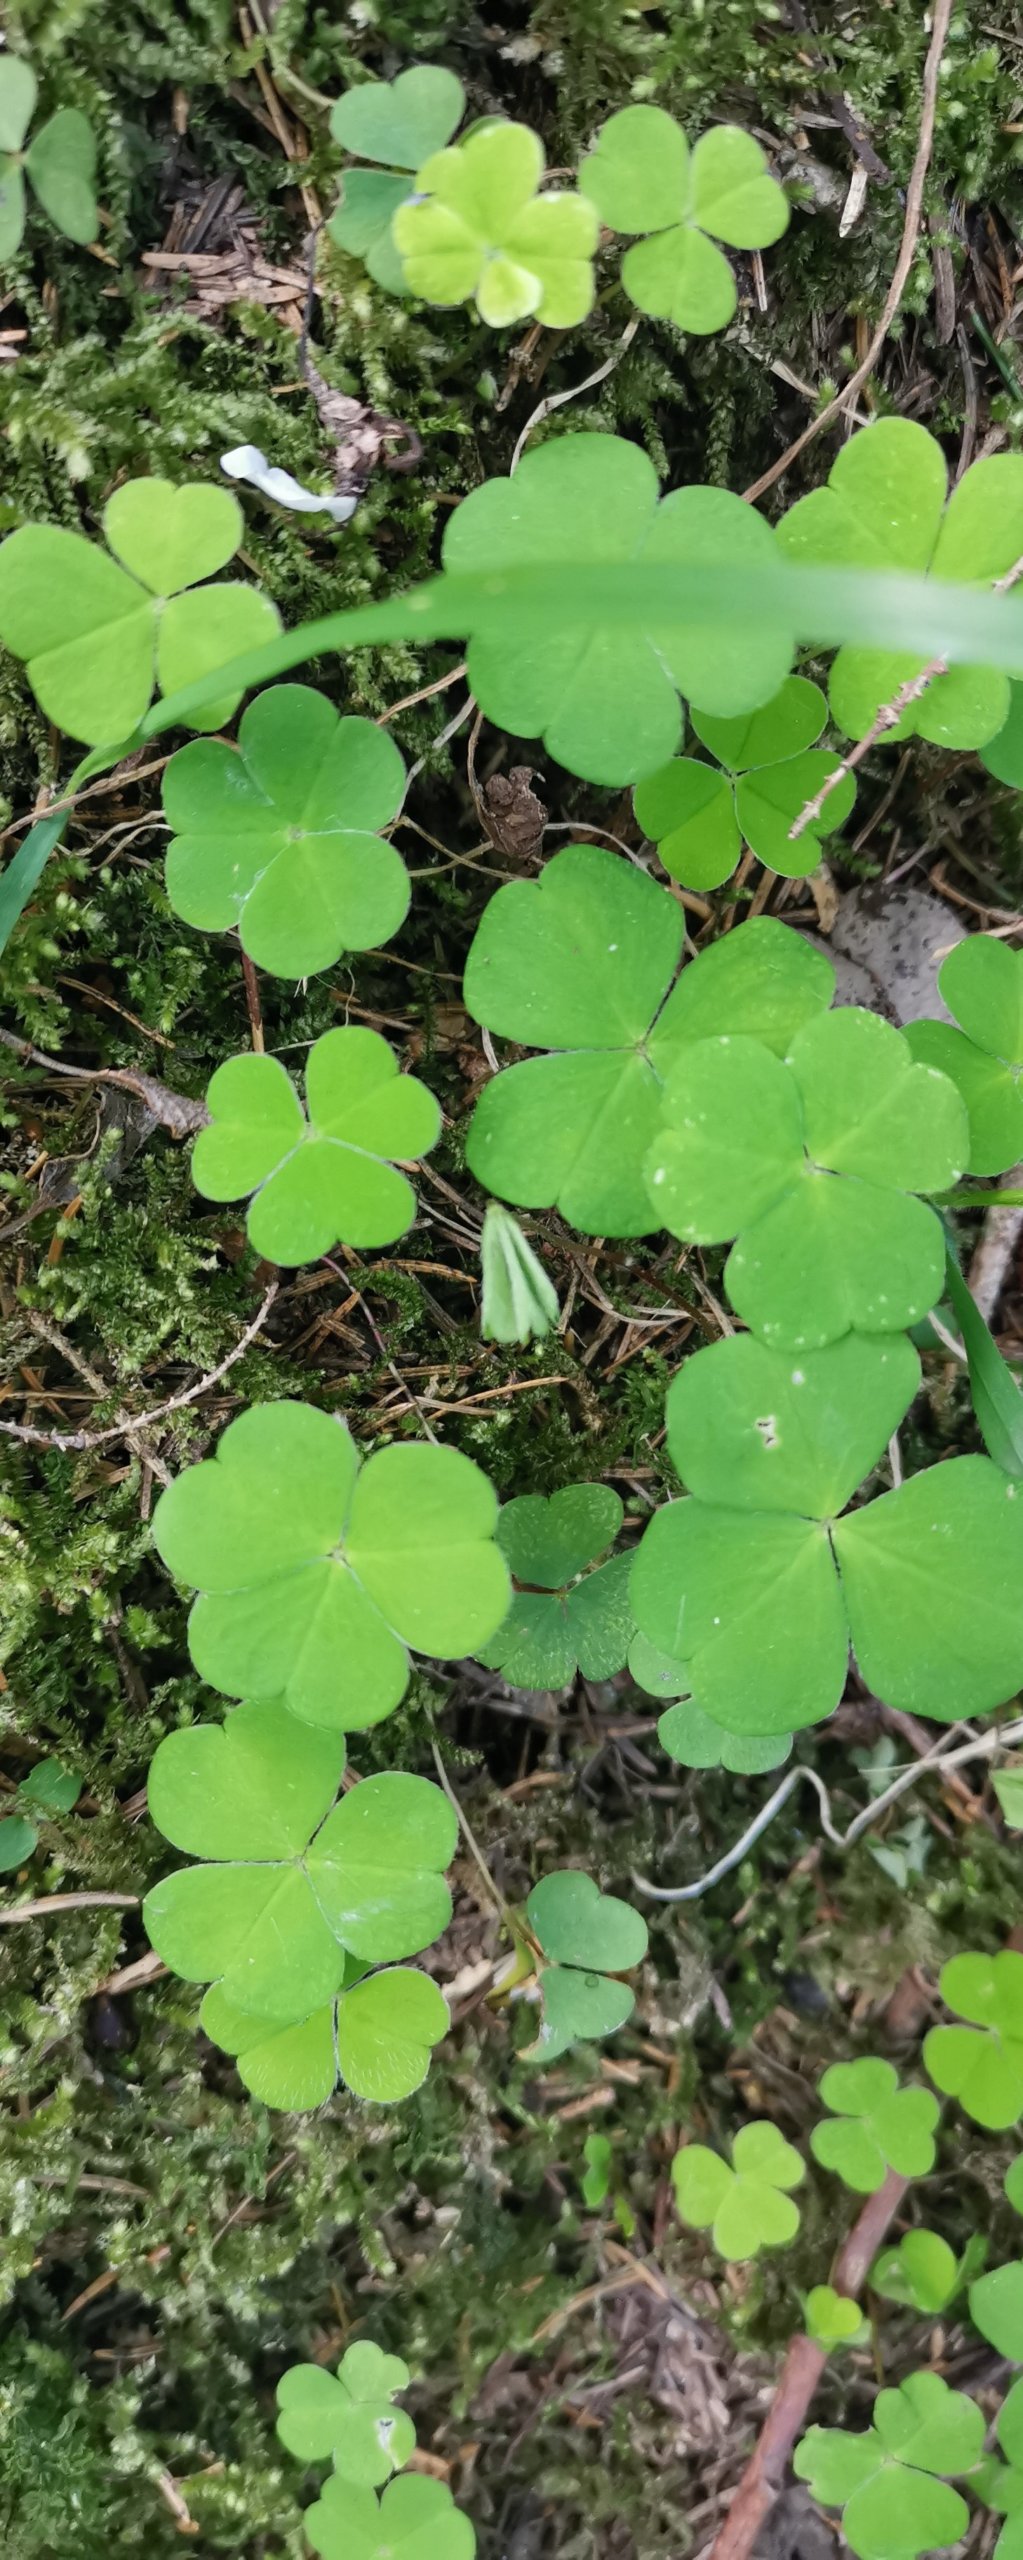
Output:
x=589 y=2385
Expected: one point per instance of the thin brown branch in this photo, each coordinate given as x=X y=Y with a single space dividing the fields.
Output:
x=108 y=782
x=764 y=2476
x=255 y=1010
x=174 y=1111
x=68 y=1902
x=131 y=1424
x=903 y=263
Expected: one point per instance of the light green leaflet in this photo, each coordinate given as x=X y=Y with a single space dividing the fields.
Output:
x=758 y=1584
x=477 y=230
x=982 y=984
x=363 y=222
x=48 y=1789
x=686 y=1733
x=416 y=2519
x=812 y=1162
x=295 y=1886
x=1003 y=755
x=566 y=1618
x=883 y=505
x=60 y=161
x=981 y=2063
x=605 y=699
x=376 y=2038
x=97 y=631
x=877 y=2126
x=518 y=1301
x=832 y=2319
x=279 y=835
x=643 y=177
x=318 y=1573
x=747 y=2207
x=323 y=1178
x=348 y=2417
x=888 y=2481
x=18 y=1840
x=579 y=1930
x=580 y=962
x=400 y=122
x=768 y=768
x=996 y=2309
x=920 y=2271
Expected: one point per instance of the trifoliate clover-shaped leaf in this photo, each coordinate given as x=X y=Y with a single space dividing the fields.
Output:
x=60 y=161
x=981 y=2063
x=686 y=1733
x=833 y=2319
x=996 y=2309
x=883 y=506
x=812 y=1163
x=920 y=2271
x=643 y=177
x=415 y=2519
x=518 y=1301
x=98 y=629
x=400 y=122
x=376 y=2038
x=295 y=1885
x=982 y=984
x=279 y=835
x=747 y=2207
x=323 y=1177
x=887 y=2482
x=579 y=1929
x=768 y=768
x=348 y=2417
x=563 y=1617
x=580 y=963
x=605 y=699
x=317 y=1574
x=477 y=230
x=878 y=2126
x=759 y=1586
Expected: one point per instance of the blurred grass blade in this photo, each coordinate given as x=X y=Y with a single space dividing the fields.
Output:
x=997 y=1401
x=21 y=875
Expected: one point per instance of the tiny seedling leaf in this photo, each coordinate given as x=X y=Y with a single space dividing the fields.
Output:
x=699 y=817
x=568 y=1619
x=518 y=1303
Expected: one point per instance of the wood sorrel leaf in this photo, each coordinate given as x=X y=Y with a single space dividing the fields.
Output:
x=348 y=2418
x=362 y=224
x=569 y=1619
x=61 y=162
x=996 y=2309
x=578 y=2007
x=376 y=2037
x=576 y=1924
x=477 y=229
x=95 y=634
x=316 y=1574
x=894 y=2505
x=920 y=2270
x=884 y=501
x=759 y=1589
x=878 y=2125
x=279 y=835
x=323 y=1178
x=747 y=2207
x=273 y=1929
x=400 y=121
x=519 y=1303
x=604 y=699
x=981 y=2063
x=699 y=818
x=982 y=984
x=18 y=92
x=415 y=2519
x=643 y=178
x=580 y=962
x=750 y=1146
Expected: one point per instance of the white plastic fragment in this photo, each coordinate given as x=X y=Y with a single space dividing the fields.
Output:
x=246 y=462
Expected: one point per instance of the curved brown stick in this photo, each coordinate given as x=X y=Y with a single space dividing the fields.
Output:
x=764 y=2476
